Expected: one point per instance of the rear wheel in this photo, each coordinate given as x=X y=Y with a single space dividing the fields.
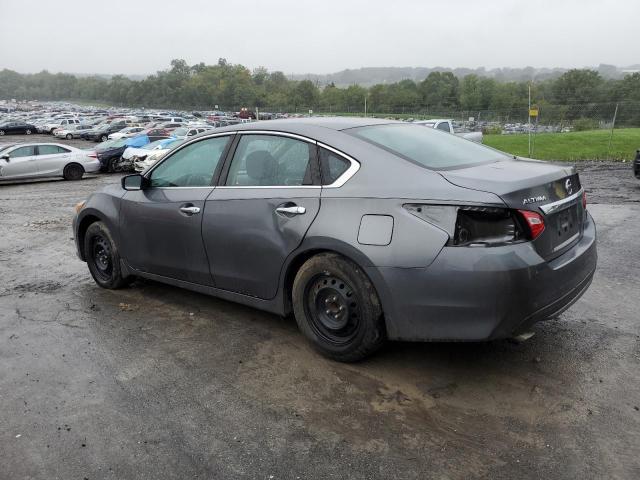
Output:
x=102 y=257
x=28 y=132
x=1 y=133
x=69 y=136
x=73 y=171
x=337 y=308
x=104 y=138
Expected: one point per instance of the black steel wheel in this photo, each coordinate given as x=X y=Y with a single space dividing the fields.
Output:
x=337 y=308
x=331 y=308
x=103 y=259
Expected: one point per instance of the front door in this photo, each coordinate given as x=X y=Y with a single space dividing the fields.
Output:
x=261 y=213
x=21 y=163
x=161 y=225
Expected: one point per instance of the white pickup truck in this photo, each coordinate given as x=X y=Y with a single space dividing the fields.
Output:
x=447 y=126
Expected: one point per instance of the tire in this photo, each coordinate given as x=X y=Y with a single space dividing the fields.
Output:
x=112 y=166
x=73 y=171
x=104 y=138
x=337 y=308
x=27 y=132
x=69 y=136
x=103 y=259
x=1 y=133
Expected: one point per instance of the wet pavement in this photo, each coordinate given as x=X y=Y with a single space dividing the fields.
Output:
x=157 y=382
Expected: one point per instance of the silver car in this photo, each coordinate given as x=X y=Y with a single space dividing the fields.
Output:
x=364 y=229
x=34 y=160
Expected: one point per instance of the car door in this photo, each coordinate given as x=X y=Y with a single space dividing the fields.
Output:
x=261 y=211
x=160 y=226
x=51 y=159
x=21 y=163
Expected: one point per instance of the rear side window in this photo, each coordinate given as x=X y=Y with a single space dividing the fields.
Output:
x=270 y=160
x=192 y=166
x=332 y=166
x=51 y=150
x=426 y=147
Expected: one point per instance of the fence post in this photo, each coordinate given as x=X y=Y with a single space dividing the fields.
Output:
x=613 y=125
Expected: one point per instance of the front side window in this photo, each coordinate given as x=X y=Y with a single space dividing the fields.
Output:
x=444 y=126
x=192 y=166
x=425 y=147
x=270 y=160
x=332 y=166
x=23 y=152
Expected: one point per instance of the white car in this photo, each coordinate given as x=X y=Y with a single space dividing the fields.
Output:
x=125 y=133
x=141 y=164
x=73 y=131
x=60 y=123
x=35 y=160
x=190 y=131
x=145 y=150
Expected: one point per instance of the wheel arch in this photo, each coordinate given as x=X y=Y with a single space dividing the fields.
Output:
x=315 y=246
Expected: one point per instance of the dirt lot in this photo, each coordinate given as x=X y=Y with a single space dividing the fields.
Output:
x=156 y=382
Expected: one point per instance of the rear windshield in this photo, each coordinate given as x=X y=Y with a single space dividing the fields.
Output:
x=427 y=147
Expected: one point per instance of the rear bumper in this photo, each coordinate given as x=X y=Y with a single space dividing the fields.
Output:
x=473 y=294
x=91 y=166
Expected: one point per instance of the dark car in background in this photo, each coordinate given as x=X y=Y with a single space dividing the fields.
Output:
x=636 y=164
x=101 y=134
x=110 y=152
x=364 y=229
x=9 y=128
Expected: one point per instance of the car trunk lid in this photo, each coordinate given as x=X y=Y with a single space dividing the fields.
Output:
x=551 y=190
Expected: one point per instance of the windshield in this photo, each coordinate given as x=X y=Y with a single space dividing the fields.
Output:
x=152 y=145
x=179 y=131
x=427 y=147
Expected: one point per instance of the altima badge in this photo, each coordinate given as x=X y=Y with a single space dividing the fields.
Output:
x=539 y=198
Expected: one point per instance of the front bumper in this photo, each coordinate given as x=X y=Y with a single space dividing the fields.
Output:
x=473 y=294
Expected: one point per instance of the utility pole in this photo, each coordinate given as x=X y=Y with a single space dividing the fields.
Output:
x=529 y=121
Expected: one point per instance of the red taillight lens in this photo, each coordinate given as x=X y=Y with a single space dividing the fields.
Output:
x=535 y=222
x=92 y=155
x=584 y=200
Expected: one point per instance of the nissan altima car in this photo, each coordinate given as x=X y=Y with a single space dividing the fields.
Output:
x=35 y=160
x=365 y=230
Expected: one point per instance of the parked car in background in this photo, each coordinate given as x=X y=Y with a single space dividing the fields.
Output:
x=447 y=126
x=636 y=164
x=142 y=163
x=73 y=131
x=125 y=132
x=110 y=152
x=101 y=133
x=132 y=153
x=184 y=132
x=60 y=123
x=14 y=128
x=34 y=160
x=438 y=238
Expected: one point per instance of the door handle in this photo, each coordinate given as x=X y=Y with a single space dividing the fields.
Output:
x=295 y=210
x=190 y=210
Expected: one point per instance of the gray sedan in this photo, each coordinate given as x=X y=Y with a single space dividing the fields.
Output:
x=365 y=230
x=21 y=161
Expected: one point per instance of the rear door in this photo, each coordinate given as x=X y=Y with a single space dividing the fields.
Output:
x=161 y=225
x=268 y=196
x=51 y=159
x=21 y=163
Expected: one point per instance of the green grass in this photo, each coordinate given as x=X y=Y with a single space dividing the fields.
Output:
x=572 y=146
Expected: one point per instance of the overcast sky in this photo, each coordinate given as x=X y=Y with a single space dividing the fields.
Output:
x=320 y=36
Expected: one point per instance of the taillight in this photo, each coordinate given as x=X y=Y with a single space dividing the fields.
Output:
x=534 y=221
x=584 y=200
x=92 y=155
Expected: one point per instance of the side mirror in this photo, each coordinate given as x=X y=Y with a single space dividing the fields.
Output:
x=133 y=182
x=4 y=157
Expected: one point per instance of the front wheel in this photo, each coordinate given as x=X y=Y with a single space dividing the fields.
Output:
x=337 y=308
x=28 y=132
x=1 y=133
x=104 y=138
x=102 y=257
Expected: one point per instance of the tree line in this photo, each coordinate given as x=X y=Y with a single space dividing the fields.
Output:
x=578 y=93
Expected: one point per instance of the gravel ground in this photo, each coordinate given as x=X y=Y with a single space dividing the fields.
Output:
x=157 y=382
